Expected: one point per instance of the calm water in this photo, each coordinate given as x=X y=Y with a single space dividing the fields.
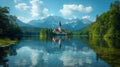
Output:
x=35 y=51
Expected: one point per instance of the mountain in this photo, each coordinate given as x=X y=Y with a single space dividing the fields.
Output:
x=76 y=24
x=48 y=22
x=53 y=21
x=22 y=24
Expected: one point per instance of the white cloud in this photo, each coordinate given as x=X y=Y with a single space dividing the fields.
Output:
x=28 y=55
x=15 y=1
x=45 y=12
x=88 y=9
x=26 y=20
x=73 y=9
x=86 y=17
x=34 y=57
x=36 y=10
x=72 y=58
x=22 y=6
x=32 y=54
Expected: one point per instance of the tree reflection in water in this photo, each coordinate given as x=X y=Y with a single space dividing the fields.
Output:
x=4 y=52
x=107 y=49
x=104 y=49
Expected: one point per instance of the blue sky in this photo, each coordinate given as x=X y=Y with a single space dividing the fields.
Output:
x=27 y=10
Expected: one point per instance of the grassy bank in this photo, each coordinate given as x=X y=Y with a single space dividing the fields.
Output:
x=7 y=42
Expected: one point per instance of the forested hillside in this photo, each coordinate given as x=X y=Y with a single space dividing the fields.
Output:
x=106 y=24
x=8 y=25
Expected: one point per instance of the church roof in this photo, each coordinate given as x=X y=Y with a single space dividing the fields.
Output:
x=57 y=30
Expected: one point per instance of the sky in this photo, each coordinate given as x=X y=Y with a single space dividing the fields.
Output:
x=27 y=10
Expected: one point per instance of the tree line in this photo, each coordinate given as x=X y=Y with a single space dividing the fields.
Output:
x=8 y=26
x=106 y=24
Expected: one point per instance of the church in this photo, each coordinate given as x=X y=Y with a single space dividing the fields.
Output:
x=59 y=30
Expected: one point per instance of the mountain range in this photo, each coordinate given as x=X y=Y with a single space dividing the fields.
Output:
x=53 y=21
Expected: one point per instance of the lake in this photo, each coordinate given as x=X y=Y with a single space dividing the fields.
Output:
x=61 y=51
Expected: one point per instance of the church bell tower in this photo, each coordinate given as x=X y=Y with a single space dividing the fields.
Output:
x=59 y=27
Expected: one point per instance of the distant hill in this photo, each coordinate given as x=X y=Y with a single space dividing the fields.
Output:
x=28 y=29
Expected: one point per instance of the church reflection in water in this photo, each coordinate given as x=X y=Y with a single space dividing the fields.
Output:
x=5 y=52
x=60 y=39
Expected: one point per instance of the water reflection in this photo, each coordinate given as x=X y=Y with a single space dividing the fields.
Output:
x=61 y=51
x=60 y=39
x=4 y=52
x=73 y=52
x=107 y=49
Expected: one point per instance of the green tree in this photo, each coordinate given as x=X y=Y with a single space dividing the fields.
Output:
x=8 y=25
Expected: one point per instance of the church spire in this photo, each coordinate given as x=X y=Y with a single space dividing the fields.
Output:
x=59 y=27
x=60 y=23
